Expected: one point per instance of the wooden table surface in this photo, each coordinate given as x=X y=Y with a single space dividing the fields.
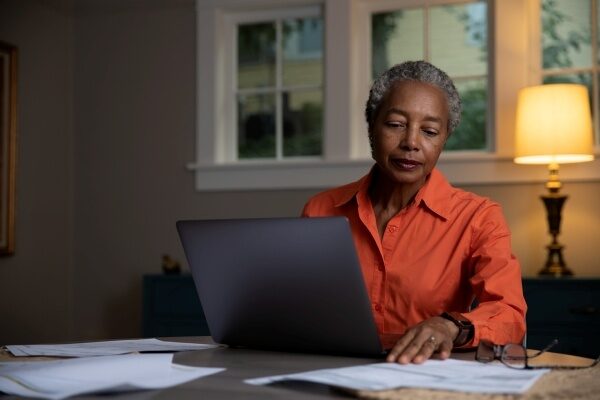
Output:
x=242 y=364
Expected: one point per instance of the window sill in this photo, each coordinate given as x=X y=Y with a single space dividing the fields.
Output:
x=461 y=170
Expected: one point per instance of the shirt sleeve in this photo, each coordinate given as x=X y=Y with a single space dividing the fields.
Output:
x=495 y=277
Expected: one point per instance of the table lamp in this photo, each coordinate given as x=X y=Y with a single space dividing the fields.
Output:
x=554 y=126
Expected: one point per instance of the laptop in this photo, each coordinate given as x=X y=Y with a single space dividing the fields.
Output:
x=290 y=284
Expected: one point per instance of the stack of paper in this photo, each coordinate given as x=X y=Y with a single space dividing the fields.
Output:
x=463 y=376
x=64 y=378
x=105 y=348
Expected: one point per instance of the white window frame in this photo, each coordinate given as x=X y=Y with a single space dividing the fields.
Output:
x=514 y=63
x=229 y=150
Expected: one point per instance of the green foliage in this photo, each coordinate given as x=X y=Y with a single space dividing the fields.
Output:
x=556 y=44
x=262 y=147
x=383 y=27
x=470 y=134
x=256 y=43
x=307 y=141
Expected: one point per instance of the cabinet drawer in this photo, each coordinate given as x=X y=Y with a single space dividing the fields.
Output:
x=563 y=301
x=172 y=296
x=579 y=341
x=171 y=307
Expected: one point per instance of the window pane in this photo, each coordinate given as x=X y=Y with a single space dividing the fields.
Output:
x=458 y=39
x=303 y=51
x=396 y=36
x=256 y=126
x=471 y=133
x=566 y=33
x=302 y=123
x=256 y=55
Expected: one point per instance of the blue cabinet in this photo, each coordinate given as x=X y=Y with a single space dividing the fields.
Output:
x=567 y=309
x=171 y=307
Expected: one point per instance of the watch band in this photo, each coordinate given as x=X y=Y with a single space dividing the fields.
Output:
x=465 y=327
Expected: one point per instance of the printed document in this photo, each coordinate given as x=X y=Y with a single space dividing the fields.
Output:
x=63 y=378
x=105 y=348
x=456 y=375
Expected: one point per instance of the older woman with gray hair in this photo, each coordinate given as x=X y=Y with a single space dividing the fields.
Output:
x=428 y=251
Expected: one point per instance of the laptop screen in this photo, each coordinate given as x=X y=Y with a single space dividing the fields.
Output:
x=290 y=284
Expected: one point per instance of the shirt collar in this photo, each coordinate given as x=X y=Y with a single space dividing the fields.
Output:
x=434 y=195
x=348 y=192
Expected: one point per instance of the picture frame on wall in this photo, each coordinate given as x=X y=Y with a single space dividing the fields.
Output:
x=8 y=146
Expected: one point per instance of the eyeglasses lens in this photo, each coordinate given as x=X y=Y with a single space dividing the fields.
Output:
x=485 y=352
x=514 y=355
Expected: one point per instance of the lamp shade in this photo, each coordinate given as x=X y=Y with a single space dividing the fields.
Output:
x=554 y=125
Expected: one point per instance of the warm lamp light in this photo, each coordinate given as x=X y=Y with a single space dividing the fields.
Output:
x=554 y=126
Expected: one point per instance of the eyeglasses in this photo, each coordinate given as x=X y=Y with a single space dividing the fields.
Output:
x=516 y=356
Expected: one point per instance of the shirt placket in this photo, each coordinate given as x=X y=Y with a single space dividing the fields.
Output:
x=389 y=243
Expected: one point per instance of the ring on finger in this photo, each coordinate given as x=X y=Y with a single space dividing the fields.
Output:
x=432 y=340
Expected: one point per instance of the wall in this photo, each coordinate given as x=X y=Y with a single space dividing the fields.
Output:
x=35 y=283
x=134 y=130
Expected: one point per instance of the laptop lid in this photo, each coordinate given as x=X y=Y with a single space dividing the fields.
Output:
x=291 y=284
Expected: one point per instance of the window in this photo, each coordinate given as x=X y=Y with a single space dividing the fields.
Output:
x=279 y=89
x=569 y=46
x=450 y=36
x=282 y=84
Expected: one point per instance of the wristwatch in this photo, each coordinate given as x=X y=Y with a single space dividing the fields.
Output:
x=466 y=329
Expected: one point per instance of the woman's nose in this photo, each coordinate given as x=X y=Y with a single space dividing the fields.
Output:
x=410 y=141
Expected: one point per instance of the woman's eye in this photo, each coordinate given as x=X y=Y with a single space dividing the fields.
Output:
x=395 y=124
x=430 y=132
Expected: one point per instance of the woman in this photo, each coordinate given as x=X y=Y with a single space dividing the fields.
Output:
x=427 y=250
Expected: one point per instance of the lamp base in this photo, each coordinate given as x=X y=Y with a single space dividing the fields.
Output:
x=555 y=265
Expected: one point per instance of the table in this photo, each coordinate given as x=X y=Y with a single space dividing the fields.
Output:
x=246 y=363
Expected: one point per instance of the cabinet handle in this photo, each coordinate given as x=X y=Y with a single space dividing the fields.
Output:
x=585 y=310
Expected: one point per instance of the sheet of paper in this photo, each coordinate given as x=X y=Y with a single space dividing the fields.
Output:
x=105 y=348
x=64 y=378
x=456 y=375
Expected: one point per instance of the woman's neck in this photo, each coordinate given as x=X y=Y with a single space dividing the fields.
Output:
x=389 y=197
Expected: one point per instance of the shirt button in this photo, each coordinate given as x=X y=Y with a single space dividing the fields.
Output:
x=380 y=267
x=378 y=307
x=392 y=228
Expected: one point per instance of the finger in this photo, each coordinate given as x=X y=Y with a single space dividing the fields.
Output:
x=400 y=346
x=428 y=347
x=413 y=349
x=445 y=349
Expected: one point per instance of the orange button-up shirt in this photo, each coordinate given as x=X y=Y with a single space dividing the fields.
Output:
x=445 y=249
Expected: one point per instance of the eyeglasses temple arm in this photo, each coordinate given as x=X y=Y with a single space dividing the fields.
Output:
x=545 y=349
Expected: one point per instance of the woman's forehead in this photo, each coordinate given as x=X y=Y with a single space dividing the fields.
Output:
x=416 y=94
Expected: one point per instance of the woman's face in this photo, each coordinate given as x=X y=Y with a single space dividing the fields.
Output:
x=410 y=131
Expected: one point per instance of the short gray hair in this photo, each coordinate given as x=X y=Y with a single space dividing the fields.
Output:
x=420 y=71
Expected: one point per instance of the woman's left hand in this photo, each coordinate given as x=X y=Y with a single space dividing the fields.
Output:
x=422 y=340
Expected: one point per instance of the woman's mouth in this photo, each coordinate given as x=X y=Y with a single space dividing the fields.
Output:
x=405 y=164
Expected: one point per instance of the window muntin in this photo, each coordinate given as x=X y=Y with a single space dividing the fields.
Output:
x=279 y=91
x=452 y=37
